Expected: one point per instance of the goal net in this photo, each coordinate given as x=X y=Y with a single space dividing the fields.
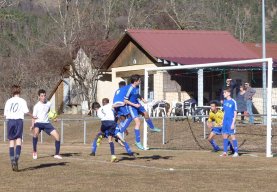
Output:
x=179 y=97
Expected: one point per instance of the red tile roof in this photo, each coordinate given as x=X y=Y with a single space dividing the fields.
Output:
x=271 y=49
x=187 y=47
x=184 y=47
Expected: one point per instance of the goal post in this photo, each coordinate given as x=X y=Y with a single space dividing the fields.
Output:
x=235 y=64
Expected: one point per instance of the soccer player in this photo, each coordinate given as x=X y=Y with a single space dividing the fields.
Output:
x=108 y=127
x=14 y=111
x=214 y=122
x=120 y=107
x=229 y=119
x=41 y=109
x=132 y=98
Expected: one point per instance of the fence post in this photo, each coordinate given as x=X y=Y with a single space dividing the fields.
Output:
x=85 y=131
x=61 y=130
x=204 y=129
x=163 y=130
x=5 y=129
x=41 y=137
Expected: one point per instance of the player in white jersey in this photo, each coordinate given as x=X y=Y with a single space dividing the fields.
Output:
x=108 y=128
x=14 y=111
x=41 y=109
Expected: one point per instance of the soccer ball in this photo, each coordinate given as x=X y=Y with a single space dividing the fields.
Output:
x=52 y=114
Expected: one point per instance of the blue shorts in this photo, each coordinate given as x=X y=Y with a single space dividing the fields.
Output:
x=226 y=128
x=121 y=111
x=217 y=130
x=15 y=129
x=136 y=111
x=46 y=127
x=108 y=127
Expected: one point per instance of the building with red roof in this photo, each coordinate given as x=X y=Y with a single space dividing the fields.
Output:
x=138 y=49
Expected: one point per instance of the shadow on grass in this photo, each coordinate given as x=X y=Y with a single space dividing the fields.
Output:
x=45 y=165
x=147 y=158
x=70 y=154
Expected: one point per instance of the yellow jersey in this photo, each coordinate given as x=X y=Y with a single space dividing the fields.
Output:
x=217 y=118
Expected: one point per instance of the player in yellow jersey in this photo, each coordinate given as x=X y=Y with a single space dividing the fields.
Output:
x=214 y=122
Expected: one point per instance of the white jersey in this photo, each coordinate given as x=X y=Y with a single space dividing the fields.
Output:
x=106 y=113
x=41 y=112
x=15 y=108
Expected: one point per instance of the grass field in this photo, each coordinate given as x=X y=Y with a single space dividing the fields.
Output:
x=190 y=168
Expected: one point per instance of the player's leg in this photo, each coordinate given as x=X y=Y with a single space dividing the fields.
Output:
x=212 y=142
x=12 y=124
x=125 y=121
x=235 y=143
x=126 y=145
x=137 y=134
x=113 y=157
x=36 y=132
x=125 y=118
x=96 y=143
x=135 y=115
x=225 y=144
x=56 y=136
x=148 y=120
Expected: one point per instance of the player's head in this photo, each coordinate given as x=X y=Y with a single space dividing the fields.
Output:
x=227 y=92
x=121 y=84
x=16 y=90
x=214 y=105
x=105 y=101
x=135 y=79
x=95 y=105
x=42 y=95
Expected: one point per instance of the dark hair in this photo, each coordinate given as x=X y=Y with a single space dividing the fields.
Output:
x=95 y=105
x=16 y=89
x=228 y=89
x=121 y=84
x=216 y=103
x=41 y=91
x=105 y=101
x=135 y=78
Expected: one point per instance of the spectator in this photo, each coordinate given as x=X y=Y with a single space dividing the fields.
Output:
x=241 y=102
x=250 y=92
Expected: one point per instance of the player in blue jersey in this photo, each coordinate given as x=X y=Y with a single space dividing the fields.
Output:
x=108 y=128
x=132 y=99
x=229 y=119
x=214 y=122
x=120 y=107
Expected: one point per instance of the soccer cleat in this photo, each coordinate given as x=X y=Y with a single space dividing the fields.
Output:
x=58 y=157
x=15 y=166
x=139 y=145
x=92 y=154
x=114 y=159
x=35 y=155
x=235 y=154
x=155 y=129
x=224 y=154
x=98 y=142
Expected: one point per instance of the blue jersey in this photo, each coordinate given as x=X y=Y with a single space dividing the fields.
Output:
x=229 y=107
x=119 y=95
x=132 y=94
